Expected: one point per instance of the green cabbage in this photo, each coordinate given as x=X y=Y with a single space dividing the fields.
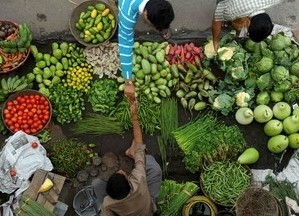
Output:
x=265 y=64
x=294 y=69
x=279 y=73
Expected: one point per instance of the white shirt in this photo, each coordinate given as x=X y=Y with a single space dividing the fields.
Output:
x=229 y=10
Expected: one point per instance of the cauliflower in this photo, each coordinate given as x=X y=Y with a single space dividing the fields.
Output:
x=225 y=53
x=242 y=99
x=216 y=103
x=209 y=50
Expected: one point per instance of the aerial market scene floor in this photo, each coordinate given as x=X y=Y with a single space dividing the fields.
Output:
x=211 y=119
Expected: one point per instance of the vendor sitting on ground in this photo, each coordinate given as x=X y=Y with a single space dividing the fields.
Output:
x=131 y=194
x=246 y=16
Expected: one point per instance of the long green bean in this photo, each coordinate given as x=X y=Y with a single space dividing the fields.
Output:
x=224 y=181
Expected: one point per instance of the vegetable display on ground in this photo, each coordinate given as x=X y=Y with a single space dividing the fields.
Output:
x=224 y=181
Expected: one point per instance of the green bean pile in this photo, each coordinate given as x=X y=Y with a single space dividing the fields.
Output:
x=224 y=181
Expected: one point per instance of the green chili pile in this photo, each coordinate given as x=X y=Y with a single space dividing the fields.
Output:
x=224 y=181
x=67 y=103
x=148 y=113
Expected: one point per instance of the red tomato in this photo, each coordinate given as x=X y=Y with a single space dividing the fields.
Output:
x=23 y=100
x=46 y=117
x=12 y=173
x=37 y=96
x=27 y=131
x=42 y=98
x=33 y=130
x=30 y=121
x=34 y=145
x=7 y=115
x=30 y=114
x=9 y=103
x=19 y=98
x=14 y=119
x=15 y=102
x=6 y=111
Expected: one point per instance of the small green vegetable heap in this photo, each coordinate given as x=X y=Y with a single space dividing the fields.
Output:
x=231 y=92
x=96 y=23
x=79 y=77
x=69 y=156
x=98 y=125
x=173 y=196
x=103 y=95
x=30 y=207
x=274 y=65
x=205 y=140
x=67 y=103
x=148 y=113
x=224 y=181
x=169 y=123
x=50 y=69
x=152 y=71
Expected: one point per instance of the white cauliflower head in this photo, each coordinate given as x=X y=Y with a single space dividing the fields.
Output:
x=225 y=53
x=242 y=99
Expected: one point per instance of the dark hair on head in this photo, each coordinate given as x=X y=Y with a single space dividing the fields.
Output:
x=260 y=27
x=118 y=186
x=159 y=13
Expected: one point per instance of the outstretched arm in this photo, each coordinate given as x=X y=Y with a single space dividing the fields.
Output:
x=216 y=30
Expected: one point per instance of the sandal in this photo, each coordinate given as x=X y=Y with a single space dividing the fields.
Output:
x=166 y=33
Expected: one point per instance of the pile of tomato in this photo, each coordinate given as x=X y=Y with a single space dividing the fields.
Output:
x=29 y=113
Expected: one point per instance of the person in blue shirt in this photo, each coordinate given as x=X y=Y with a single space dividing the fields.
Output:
x=158 y=13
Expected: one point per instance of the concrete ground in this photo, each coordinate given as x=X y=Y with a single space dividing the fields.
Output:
x=50 y=19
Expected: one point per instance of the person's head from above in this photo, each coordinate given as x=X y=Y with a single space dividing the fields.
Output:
x=159 y=13
x=260 y=27
x=118 y=186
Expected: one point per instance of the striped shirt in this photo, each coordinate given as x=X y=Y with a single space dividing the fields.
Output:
x=127 y=17
x=229 y=10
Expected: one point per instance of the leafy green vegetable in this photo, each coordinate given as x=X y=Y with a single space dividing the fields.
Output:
x=265 y=65
x=263 y=98
x=103 y=95
x=279 y=73
x=264 y=82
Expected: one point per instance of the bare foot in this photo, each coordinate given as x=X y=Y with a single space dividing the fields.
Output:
x=130 y=152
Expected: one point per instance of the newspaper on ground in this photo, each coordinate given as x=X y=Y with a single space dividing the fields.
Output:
x=18 y=162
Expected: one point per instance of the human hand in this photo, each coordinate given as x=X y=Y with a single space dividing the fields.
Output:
x=216 y=44
x=130 y=90
x=134 y=108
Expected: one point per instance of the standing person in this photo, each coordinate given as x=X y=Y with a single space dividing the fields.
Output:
x=246 y=16
x=158 y=13
x=131 y=194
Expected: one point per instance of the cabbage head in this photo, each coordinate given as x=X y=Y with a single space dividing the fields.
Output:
x=295 y=68
x=283 y=86
x=280 y=42
x=265 y=64
x=263 y=98
x=279 y=73
x=264 y=82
